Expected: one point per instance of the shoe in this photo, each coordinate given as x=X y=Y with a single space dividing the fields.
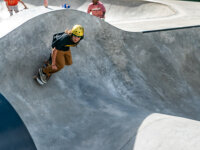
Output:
x=43 y=76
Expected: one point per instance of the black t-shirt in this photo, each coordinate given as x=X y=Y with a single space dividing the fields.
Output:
x=62 y=41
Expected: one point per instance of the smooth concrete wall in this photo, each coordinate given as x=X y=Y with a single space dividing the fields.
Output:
x=117 y=79
x=75 y=110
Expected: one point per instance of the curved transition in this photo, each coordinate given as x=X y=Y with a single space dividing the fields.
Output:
x=117 y=79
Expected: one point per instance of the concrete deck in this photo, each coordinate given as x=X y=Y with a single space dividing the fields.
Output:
x=137 y=15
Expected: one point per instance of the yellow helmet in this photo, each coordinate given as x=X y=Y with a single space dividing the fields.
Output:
x=78 y=30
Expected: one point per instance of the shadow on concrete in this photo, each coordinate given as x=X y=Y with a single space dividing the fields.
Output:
x=13 y=133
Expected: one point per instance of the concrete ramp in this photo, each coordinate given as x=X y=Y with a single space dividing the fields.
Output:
x=117 y=79
x=75 y=110
x=167 y=132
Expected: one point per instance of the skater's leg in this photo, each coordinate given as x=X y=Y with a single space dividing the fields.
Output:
x=60 y=63
x=68 y=58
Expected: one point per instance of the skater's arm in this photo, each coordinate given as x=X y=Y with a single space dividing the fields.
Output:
x=53 y=56
x=23 y=4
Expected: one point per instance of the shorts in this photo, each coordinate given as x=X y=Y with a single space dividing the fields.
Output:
x=15 y=8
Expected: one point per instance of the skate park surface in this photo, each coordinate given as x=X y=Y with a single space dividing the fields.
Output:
x=135 y=90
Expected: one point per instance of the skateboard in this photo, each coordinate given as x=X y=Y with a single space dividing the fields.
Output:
x=37 y=78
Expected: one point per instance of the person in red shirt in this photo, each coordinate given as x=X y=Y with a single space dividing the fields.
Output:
x=12 y=5
x=46 y=3
x=97 y=8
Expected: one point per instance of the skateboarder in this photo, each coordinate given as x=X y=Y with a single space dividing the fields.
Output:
x=12 y=5
x=61 y=53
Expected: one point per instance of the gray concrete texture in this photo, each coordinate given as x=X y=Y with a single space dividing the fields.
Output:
x=117 y=80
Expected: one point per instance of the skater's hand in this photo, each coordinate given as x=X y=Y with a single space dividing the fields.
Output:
x=54 y=67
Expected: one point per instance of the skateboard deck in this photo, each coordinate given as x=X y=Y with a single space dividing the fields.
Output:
x=36 y=77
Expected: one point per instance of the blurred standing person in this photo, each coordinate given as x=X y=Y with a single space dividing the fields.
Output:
x=65 y=4
x=12 y=5
x=46 y=3
x=97 y=9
